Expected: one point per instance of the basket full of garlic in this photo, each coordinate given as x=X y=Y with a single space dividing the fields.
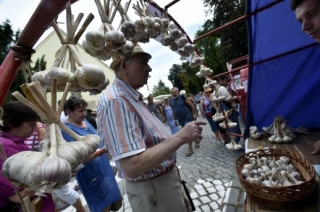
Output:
x=276 y=178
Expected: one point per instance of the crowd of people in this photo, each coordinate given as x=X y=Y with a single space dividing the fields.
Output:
x=134 y=135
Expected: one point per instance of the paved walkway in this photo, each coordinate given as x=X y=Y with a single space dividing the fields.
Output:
x=210 y=175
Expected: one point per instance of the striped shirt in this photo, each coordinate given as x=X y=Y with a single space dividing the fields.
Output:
x=128 y=128
x=34 y=138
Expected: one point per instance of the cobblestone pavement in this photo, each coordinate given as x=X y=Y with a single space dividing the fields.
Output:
x=210 y=175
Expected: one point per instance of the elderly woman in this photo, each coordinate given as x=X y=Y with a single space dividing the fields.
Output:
x=19 y=122
x=96 y=179
x=207 y=111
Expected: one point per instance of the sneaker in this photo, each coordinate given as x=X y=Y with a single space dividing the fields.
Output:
x=197 y=145
x=190 y=152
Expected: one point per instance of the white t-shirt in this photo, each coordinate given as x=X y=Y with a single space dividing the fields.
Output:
x=222 y=91
x=63 y=117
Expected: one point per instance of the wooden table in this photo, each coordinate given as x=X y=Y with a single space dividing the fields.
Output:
x=303 y=145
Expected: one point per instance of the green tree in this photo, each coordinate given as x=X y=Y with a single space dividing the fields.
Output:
x=160 y=89
x=174 y=76
x=210 y=48
x=228 y=44
x=184 y=77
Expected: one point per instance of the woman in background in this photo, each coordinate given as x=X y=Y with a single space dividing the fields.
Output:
x=19 y=122
x=173 y=124
x=207 y=111
x=96 y=179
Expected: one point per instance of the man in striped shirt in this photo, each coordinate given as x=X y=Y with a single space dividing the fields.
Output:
x=141 y=146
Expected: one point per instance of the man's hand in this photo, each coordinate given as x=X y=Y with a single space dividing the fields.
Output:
x=192 y=131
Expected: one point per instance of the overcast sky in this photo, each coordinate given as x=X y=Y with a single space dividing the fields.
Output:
x=188 y=13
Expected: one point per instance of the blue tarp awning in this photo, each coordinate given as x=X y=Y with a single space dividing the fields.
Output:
x=288 y=85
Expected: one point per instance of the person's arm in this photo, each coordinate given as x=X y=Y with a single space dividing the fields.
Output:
x=174 y=118
x=138 y=164
x=316 y=150
x=164 y=119
x=201 y=108
x=224 y=92
x=193 y=109
x=97 y=153
x=25 y=192
x=42 y=133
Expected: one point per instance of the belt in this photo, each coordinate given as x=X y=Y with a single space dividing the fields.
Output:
x=167 y=170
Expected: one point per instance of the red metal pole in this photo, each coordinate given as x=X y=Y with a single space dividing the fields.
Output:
x=237 y=20
x=170 y=4
x=39 y=22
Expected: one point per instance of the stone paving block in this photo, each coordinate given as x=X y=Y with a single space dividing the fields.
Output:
x=201 y=192
x=205 y=199
x=222 y=194
x=196 y=203
x=214 y=197
x=205 y=208
x=220 y=188
x=198 y=186
x=200 y=181
x=207 y=184
x=211 y=190
x=194 y=195
x=198 y=209
x=217 y=182
x=214 y=206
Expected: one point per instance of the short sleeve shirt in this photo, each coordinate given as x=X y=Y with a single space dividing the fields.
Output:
x=128 y=128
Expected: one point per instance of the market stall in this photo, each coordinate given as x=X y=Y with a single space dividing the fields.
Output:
x=283 y=81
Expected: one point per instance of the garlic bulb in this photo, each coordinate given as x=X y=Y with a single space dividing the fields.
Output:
x=182 y=41
x=183 y=53
x=39 y=76
x=105 y=54
x=157 y=20
x=150 y=23
x=63 y=76
x=53 y=172
x=95 y=40
x=164 y=24
x=127 y=49
x=174 y=46
x=140 y=24
x=143 y=34
x=89 y=76
x=77 y=151
x=17 y=167
x=128 y=29
x=175 y=34
x=115 y=40
x=89 y=50
x=166 y=41
x=189 y=47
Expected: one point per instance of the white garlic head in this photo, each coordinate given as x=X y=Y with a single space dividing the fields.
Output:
x=95 y=40
x=89 y=76
x=115 y=40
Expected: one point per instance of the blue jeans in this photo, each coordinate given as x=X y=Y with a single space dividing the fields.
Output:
x=212 y=123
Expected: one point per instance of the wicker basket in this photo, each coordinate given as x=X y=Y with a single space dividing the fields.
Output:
x=279 y=197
